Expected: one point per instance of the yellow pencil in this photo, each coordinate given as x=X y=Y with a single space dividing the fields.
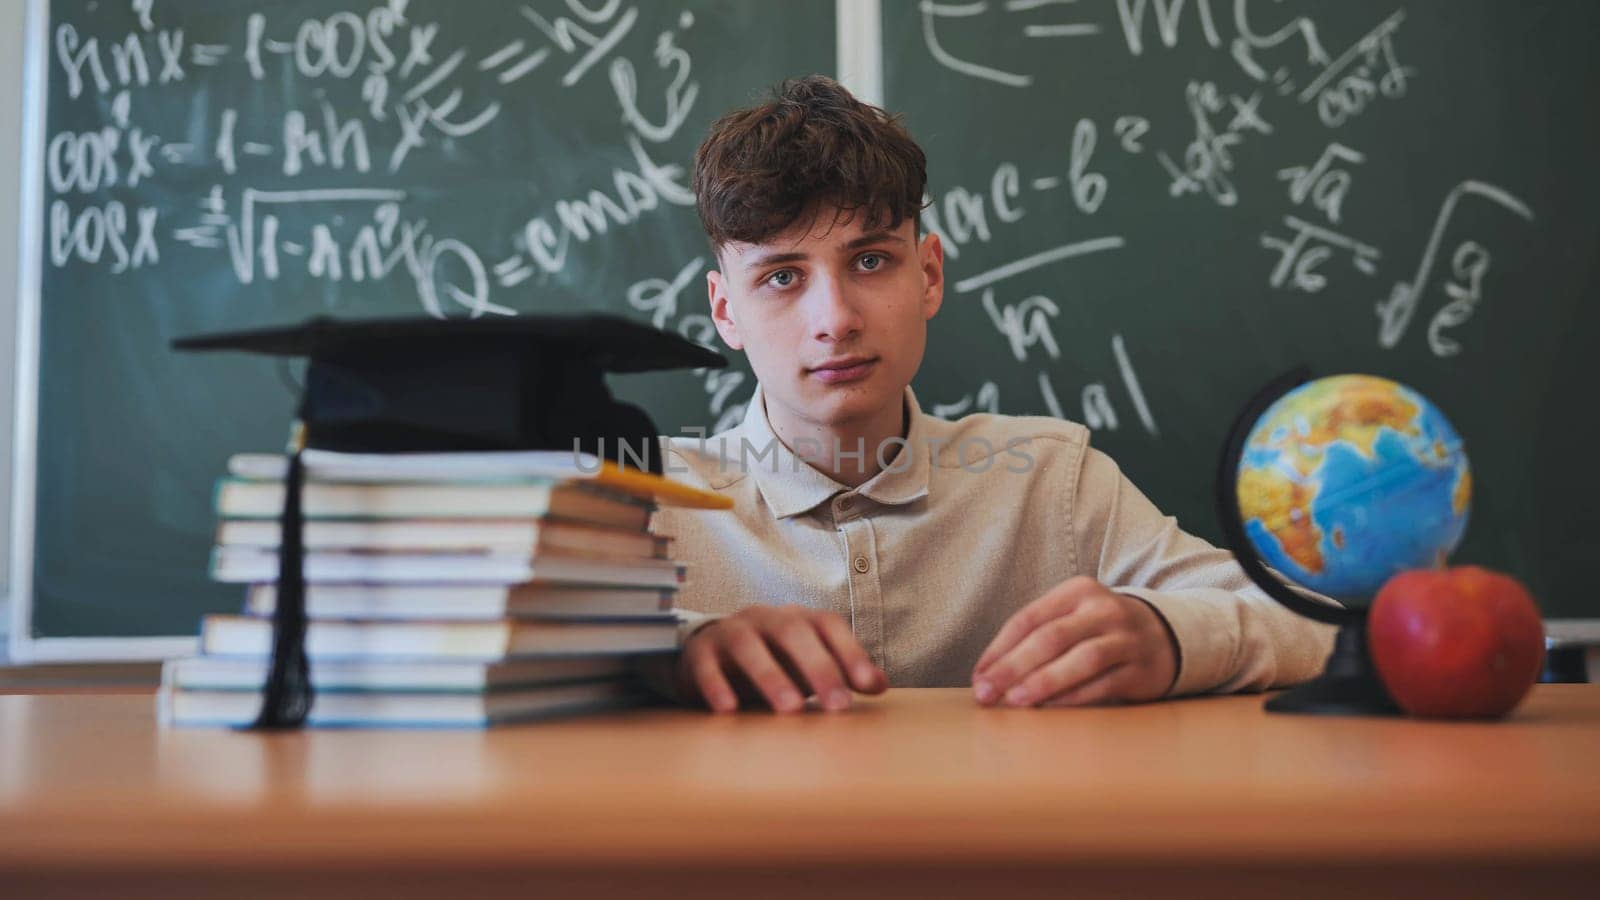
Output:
x=662 y=490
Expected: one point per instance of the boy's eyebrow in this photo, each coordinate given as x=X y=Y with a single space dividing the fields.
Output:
x=768 y=259
x=882 y=236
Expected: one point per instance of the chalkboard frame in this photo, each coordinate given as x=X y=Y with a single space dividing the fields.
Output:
x=859 y=54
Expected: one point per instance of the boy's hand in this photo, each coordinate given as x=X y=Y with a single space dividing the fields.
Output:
x=1078 y=644
x=777 y=655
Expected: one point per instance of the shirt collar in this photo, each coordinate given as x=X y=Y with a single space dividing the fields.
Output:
x=906 y=478
x=791 y=486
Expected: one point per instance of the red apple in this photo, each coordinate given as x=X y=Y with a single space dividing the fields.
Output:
x=1456 y=643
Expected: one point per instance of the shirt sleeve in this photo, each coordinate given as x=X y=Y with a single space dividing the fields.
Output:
x=659 y=671
x=1230 y=635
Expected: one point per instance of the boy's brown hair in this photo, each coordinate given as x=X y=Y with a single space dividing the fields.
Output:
x=810 y=147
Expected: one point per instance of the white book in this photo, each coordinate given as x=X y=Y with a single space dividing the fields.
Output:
x=498 y=466
x=379 y=467
x=526 y=536
x=253 y=564
x=402 y=710
x=360 y=600
x=240 y=499
x=222 y=635
x=212 y=673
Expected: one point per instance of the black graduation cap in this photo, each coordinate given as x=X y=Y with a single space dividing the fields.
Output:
x=528 y=382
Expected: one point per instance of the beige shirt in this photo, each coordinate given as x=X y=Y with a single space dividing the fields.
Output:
x=971 y=521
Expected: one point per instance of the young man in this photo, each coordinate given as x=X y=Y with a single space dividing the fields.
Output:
x=873 y=545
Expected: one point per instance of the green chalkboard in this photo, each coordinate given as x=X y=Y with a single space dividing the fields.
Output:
x=1151 y=208
x=1154 y=207
x=220 y=164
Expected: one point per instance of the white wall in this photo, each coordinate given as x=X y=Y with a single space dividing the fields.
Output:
x=13 y=19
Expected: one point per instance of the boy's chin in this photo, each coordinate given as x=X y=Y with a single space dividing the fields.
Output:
x=839 y=406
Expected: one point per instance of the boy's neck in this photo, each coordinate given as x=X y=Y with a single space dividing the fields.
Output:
x=846 y=452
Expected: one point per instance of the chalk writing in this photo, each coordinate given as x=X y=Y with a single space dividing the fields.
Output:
x=1097 y=409
x=87 y=234
x=962 y=215
x=1024 y=324
x=1309 y=247
x=1300 y=256
x=1208 y=159
x=1088 y=188
x=1320 y=181
x=1168 y=18
x=658 y=297
x=680 y=94
x=1368 y=69
x=1470 y=263
x=137 y=60
x=1249 y=42
x=320 y=186
x=987 y=399
x=1043 y=258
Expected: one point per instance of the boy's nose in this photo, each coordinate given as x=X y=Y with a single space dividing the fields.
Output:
x=834 y=314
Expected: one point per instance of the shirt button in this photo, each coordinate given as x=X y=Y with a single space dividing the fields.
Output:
x=862 y=565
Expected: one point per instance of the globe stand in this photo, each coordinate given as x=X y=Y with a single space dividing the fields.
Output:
x=1349 y=684
x=1347 y=687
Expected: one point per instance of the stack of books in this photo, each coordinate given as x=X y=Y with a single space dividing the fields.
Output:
x=460 y=589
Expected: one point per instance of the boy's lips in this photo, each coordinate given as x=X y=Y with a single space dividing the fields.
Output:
x=842 y=369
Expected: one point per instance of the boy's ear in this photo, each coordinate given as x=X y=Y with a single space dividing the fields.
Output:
x=930 y=255
x=721 y=311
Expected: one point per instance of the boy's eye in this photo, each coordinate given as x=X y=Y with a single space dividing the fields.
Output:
x=871 y=261
x=782 y=278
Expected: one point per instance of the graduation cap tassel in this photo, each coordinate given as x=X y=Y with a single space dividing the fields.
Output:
x=287 y=697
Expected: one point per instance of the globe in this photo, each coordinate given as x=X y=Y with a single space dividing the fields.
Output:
x=1349 y=479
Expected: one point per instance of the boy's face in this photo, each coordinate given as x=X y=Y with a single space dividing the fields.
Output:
x=833 y=318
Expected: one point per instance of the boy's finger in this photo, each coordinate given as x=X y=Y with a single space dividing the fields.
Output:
x=1084 y=663
x=864 y=675
x=800 y=645
x=1049 y=641
x=1054 y=604
x=751 y=655
x=712 y=684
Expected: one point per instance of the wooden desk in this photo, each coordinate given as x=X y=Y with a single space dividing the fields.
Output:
x=915 y=794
